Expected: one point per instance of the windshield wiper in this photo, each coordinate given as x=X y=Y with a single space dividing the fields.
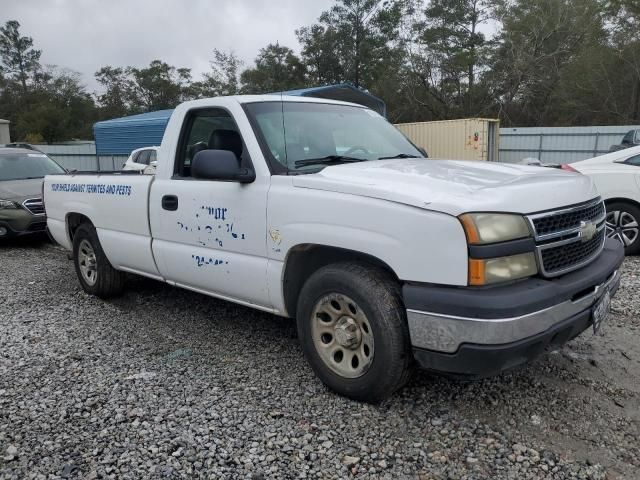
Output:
x=328 y=160
x=400 y=155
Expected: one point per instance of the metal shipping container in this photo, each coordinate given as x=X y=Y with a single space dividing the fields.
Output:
x=464 y=139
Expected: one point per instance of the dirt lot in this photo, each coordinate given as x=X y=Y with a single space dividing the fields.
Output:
x=164 y=383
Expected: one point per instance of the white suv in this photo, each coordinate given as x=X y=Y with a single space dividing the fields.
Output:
x=142 y=160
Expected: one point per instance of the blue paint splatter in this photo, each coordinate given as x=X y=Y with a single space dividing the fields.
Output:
x=202 y=261
x=233 y=234
x=218 y=213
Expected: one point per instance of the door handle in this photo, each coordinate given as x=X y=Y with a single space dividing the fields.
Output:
x=170 y=202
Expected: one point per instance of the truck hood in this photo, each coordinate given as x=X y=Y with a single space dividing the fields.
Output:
x=455 y=187
x=20 y=190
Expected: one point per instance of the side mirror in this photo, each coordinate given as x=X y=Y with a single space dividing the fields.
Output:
x=220 y=165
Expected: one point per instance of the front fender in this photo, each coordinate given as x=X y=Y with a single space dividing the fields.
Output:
x=418 y=245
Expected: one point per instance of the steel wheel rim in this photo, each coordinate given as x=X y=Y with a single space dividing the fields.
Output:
x=622 y=226
x=87 y=262
x=342 y=335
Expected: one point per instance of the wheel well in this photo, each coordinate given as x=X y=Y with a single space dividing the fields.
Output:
x=303 y=260
x=74 y=220
x=622 y=200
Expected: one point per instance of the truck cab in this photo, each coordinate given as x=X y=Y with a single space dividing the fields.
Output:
x=322 y=211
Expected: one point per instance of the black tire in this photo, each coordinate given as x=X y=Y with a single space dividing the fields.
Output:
x=378 y=295
x=626 y=211
x=108 y=282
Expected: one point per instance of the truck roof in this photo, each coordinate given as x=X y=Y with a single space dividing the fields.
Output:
x=270 y=97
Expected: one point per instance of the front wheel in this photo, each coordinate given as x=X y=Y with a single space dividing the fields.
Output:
x=622 y=224
x=353 y=330
x=96 y=274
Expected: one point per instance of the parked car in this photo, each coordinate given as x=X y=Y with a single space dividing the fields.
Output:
x=142 y=160
x=323 y=211
x=21 y=174
x=617 y=177
x=631 y=139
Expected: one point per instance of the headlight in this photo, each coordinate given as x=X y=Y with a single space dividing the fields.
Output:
x=488 y=228
x=502 y=269
x=482 y=228
x=6 y=204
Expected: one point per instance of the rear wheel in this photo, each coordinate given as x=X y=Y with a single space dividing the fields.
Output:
x=97 y=276
x=353 y=330
x=622 y=223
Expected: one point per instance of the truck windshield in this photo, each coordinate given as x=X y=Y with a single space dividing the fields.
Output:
x=22 y=166
x=304 y=137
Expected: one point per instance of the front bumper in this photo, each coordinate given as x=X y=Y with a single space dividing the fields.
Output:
x=475 y=332
x=21 y=222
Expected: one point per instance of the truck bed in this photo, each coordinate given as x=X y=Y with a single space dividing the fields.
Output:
x=116 y=203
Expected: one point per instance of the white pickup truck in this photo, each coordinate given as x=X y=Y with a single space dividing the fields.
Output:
x=322 y=211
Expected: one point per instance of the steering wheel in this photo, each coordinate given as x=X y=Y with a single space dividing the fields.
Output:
x=355 y=149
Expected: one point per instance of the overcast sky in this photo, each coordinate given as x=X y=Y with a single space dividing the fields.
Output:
x=85 y=35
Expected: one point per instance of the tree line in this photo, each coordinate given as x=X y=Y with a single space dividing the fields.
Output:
x=527 y=62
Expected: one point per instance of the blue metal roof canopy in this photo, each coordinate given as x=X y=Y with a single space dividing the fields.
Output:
x=120 y=136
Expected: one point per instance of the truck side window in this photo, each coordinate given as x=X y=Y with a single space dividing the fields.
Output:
x=143 y=157
x=207 y=129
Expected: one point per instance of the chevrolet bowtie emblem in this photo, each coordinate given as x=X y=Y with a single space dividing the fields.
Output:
x=587 y=230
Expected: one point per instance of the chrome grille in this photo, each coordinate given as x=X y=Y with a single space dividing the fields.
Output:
x=569 y=238
x=34 y=205
x=563 y=221
x=559 y=258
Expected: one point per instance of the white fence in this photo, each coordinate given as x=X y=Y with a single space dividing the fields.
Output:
x=82 y=157
x=559 y=144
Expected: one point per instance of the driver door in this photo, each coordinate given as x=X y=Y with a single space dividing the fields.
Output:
x=209 y=235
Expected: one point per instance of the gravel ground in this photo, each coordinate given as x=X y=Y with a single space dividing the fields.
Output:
x=165 y=383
